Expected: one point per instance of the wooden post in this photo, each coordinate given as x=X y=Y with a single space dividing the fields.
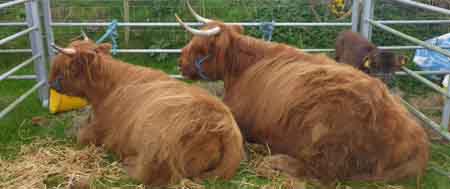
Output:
x=126 y=18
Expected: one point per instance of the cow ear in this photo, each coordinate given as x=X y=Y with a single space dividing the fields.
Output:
x=402 y=60
x=366 y=62
x=104 y=48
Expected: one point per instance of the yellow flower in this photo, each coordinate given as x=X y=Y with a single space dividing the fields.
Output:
x=337 y=7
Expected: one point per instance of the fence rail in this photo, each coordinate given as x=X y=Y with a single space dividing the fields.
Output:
x=16 y=35
x=18 y=67
x=409 y=38
x=13 y=24
x=21 y=99
x=12 y=3
x=176 y=24
x=424 y=6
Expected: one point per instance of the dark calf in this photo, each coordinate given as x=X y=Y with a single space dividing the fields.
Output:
x=354 y=49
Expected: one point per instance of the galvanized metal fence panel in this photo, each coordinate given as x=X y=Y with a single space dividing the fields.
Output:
x=38 y=53
x=366 y=30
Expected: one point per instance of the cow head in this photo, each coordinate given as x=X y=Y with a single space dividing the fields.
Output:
x=71 y=69
x=204 y=56
x=383 y=64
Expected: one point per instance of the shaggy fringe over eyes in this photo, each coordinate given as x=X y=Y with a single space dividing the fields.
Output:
x=83 y=61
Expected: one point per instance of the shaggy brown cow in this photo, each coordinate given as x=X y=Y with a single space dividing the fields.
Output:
x=163 y=130
x=324 y=120
x=354 y=49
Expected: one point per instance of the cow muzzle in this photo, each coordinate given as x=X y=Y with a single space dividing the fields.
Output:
x=56 y=84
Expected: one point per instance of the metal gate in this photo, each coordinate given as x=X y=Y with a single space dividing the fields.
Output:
x=37 y=50
x=366 y=30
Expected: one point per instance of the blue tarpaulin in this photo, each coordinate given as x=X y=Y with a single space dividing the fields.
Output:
x=429 y=60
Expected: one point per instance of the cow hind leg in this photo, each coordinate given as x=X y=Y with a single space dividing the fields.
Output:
x=410 y=168
x=202 y=156
x=213 y=155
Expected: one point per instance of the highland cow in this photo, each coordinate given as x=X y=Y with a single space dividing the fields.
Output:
x=321 y=119
x=163 y=130
x=352 y=48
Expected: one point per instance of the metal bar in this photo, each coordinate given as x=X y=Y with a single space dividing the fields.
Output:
x=22 y=77
x=10 y=107
x=175 y=24
x=404 y=47
x=15 y=50
x=148 y=51
x=177 y=76
x=12 y=3
x=36 y=42
x=424 y=73
x=126 y=18
x=426 y=82
x=424 y=6
x=13 y=24
x=428 y=122
x=47 y=20
x=388 y=22
x=317 y=50
x=16 y=35
x=367 y=14
x=179 y=50
x=355 y=16
x=18 y=67
x=446 y=110
x=410 y=38
x=305 y=50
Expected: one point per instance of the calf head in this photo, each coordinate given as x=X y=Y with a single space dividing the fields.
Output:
x=383 y=65
x=71 y=69
x=205 y=55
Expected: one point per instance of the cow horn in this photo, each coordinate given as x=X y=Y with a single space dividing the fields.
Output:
x=67 y=51
x=197 y=16
x=85 y=37
x=205 y=33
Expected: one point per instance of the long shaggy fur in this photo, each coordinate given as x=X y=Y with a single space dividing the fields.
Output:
x=162 y=129
x=325 y=120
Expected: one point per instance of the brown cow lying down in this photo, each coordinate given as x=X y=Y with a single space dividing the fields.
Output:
x=163 y=130
x=324 y=120
x=354 y=49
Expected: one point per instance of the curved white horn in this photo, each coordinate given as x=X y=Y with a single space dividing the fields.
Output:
x=197 y=16
x=205 y=33
x=85 y=37
x=68 y=51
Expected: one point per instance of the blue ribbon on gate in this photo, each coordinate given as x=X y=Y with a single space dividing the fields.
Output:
x=112 y=34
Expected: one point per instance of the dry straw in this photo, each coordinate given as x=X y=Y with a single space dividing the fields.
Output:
x=43 y=160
